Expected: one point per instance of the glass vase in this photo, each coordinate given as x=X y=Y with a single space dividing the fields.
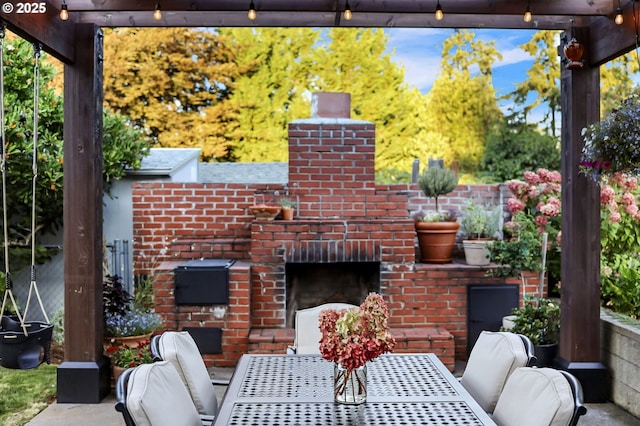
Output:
x=350 y=386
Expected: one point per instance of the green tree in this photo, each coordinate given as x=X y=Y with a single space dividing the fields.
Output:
x=514 y=147
x=461 y=105
x=616 y=83
x=273 y=91
x=174 y=83
x=123 y=147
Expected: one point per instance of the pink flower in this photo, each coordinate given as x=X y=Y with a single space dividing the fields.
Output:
x=615 y=217
x=515 y=205
x=353 y=337
x=532 y=178
x=541 y=221
x=628 y=199
x=607 y=195
x=632 y=209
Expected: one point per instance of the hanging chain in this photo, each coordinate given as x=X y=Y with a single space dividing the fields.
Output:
x=33 y=287
x=37 y=49
x=8 y=289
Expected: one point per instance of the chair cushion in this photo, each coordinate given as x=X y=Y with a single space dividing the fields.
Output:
x=533 y=397
x=156 y=396
x=307 y=325
x=493 y=358
x=181 y=350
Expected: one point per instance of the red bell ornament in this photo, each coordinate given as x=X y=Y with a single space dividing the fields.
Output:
x=574 y=51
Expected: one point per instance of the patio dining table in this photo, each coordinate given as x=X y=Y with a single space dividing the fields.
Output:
x=402 y=389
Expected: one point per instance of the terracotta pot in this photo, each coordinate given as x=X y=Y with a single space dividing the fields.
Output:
x=436 y=240
x=131 y=341
x=287 y=214
x=265 y=212
x=116 y=372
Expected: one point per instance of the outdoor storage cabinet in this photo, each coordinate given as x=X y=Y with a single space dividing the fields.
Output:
x=202 y=282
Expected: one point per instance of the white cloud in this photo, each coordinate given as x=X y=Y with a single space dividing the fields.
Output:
x=513 y=56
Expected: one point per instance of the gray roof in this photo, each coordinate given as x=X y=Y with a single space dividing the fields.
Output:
x=245 y=173
x=164 y=161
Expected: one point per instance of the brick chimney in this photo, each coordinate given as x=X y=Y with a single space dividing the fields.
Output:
x=332 y=159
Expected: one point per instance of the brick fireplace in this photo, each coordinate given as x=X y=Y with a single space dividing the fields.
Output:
x=349 y=236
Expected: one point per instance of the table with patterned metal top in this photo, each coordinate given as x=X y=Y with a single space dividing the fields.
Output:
x=402 y=389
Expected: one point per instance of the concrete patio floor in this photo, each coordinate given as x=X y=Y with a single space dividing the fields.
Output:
x=104 y=414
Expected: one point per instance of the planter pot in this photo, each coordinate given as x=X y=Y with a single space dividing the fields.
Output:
x=131 y=341
x=545 y=354
x=436 y=240
x=508 y=322
x=476 y=252
x=265 y=212
x=287 y=214
x=115 y=373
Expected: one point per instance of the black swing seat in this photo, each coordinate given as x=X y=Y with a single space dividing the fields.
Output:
x=18 y=351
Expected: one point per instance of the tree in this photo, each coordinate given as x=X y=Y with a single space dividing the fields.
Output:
x=514 y=147
x=543 y=78
x=174 y=83
x=616 y=83
x=461 y=105
x=123 y=147
x=273 y=91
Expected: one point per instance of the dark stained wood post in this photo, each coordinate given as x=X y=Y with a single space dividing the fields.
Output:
x=579 y=351
x=84 y=375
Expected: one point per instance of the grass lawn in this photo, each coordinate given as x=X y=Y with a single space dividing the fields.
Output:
x=24 y=393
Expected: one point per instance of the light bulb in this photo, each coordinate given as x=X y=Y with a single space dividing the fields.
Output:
x=64 y=11
x=528 y=16
x=252 y=14
x=347 y=12
x=439 y=13
x=157 y=13
x=619 y=19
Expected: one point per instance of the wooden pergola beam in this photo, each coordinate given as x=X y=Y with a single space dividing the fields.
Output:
x=609 y=41
x=55 y=35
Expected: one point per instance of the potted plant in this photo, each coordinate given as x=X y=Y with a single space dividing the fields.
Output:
x=610 y=145
x=125 y=356
x=539 y=320
x=480 y=224
x=519 y=255
x=437 y=229
x=126 y=322
x=288 y=207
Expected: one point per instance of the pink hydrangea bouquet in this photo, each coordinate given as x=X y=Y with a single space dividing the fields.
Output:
x=350 y=338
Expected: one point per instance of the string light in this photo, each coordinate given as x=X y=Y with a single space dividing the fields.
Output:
x=439 y=14
x=252 y=14
x=619 y=19
x=64 y=11
x=528 y=16
x=157 y=13
x=347 y=12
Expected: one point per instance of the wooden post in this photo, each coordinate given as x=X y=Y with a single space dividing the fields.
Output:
x=84 y=375
x=579 y=349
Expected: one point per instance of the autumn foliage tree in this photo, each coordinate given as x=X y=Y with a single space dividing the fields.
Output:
x=174 y=84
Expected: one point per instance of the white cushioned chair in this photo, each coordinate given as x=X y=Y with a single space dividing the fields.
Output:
x=495 y=355
x=154 y=395
x=307 y=327
x=179 y=348
x=540 y=397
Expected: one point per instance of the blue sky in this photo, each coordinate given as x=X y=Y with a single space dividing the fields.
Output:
x=419 y=51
